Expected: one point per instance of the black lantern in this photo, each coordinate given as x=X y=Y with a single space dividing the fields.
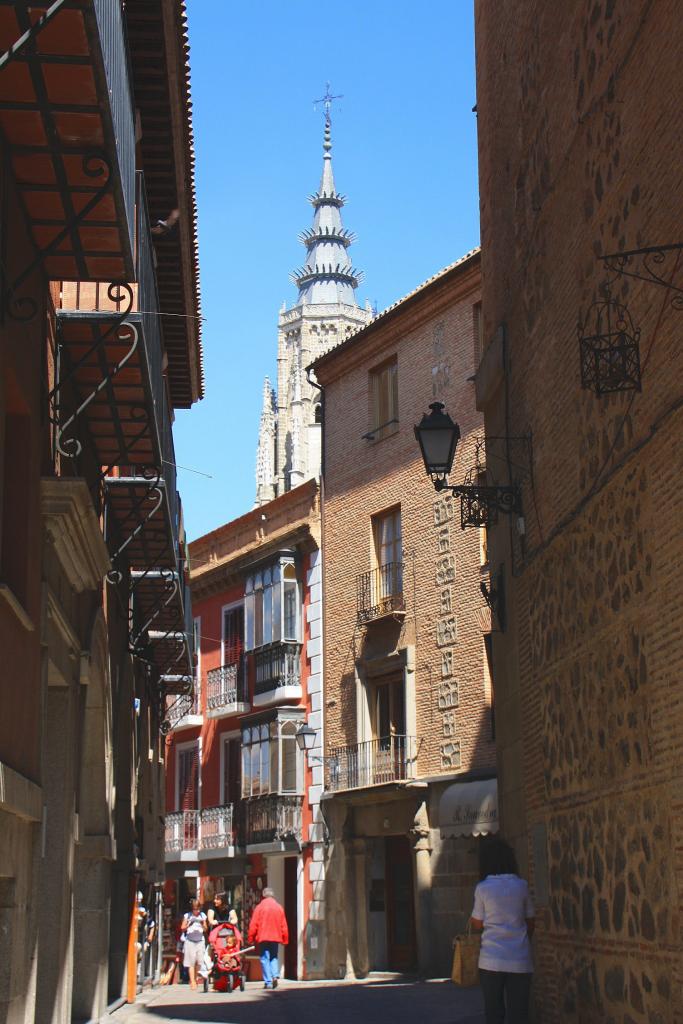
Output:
x=305 y=737
x=438 y=437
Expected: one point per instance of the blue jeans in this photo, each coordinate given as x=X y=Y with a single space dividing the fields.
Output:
x=269 y=966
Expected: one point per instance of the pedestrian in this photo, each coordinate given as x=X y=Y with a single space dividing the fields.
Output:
x=194 y=929
x=219 y=913
x=503 y=909
x=268 y=927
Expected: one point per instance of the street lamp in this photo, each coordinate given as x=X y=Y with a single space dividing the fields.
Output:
x=305 y=737
x=438 y=436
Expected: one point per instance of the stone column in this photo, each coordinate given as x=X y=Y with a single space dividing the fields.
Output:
x=422 y=849
x=356 y=851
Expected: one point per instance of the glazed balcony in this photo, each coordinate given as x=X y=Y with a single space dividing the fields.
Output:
x=372 y=763
x=379 y=593
x=67 y=124
x=226 y=690
x=277 y=671
x=218 y=832
x=182 y=836
x=273 y=823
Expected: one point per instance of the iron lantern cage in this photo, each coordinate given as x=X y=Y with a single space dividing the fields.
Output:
x=609 y=344
x=437 y=436
x=305 y=737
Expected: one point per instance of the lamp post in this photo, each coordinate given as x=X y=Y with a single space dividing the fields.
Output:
x=438 y=435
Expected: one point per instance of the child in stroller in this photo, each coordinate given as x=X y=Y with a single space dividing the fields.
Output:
x=228 y=969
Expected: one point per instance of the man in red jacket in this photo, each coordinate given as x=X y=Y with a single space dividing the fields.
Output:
x=268 y=927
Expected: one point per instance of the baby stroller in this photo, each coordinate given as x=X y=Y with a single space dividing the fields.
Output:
x=228 y=964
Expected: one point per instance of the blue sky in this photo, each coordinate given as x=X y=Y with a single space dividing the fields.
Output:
x=404 y=154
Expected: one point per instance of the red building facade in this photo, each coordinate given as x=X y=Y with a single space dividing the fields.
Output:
x=242 y=803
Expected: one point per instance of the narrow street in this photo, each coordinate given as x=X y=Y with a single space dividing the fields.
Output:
x=394 y=1001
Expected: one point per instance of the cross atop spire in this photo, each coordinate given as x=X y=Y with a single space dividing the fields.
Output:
x=326 y=101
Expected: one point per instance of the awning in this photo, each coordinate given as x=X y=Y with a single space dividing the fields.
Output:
x=469 y=809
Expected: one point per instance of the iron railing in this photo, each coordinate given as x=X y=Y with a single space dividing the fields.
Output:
x=178 y=708
x=182 y=831
x=371 y=763
x=227 y=685
x=379 y=592
x=112 y=39
x=217 y=828
x=273 y=818
x=277 y=665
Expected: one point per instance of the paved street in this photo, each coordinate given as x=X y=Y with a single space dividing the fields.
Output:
x=393 y=1001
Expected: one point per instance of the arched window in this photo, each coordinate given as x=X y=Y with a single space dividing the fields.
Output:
x=318 y=413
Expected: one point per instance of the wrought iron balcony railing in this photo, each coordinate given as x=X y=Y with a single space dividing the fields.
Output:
x=277 y=665
x=182 y=831
x=227 y=686
x=272 y=819
x=379 y=592
x=372 y=763
x=218 y=828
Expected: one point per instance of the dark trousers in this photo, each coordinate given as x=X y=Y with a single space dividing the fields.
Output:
x=502 y=990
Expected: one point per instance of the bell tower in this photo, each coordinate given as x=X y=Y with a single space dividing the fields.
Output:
x=325 y=314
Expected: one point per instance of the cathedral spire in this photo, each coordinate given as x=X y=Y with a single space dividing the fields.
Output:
x=327 y=276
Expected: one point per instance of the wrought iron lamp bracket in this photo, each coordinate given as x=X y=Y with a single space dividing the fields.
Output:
x=646 y=265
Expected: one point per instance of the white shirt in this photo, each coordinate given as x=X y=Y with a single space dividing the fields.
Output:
x=503 y=903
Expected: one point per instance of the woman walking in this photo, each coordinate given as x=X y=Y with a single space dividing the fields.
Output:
x=503 y=909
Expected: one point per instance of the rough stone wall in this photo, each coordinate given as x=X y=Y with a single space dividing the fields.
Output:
x=578 y=136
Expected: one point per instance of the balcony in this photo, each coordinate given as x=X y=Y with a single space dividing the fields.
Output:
x=371 y=763
x=379 y=593
x=226 y=690
x=183 y=712
x=218 y=833
x=67 y=123
x=277 y=673
x=182 y=836
x=273 y=823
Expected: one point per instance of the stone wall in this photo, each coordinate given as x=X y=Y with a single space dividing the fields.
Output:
x=578 y=131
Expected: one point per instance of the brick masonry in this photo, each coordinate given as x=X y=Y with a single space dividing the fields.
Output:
x=579 y=132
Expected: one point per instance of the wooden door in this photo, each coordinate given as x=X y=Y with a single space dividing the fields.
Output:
x=401 y=943
x=291 y=915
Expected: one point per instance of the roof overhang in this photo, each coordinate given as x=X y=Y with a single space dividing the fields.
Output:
x=66 y=119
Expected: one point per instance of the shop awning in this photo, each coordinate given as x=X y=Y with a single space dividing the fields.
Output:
x=469 y=809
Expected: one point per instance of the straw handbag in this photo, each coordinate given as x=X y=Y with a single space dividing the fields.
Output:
x=466 y=959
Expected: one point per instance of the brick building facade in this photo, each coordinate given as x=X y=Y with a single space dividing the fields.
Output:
x=579 y=135
x=408 y=706
x=242 y=803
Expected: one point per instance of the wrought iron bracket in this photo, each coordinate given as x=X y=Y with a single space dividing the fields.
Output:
x=171 y=583
x=31 y=33
x=480 y=505
x=126 y=333
x=24 y=308
x=155 y=491
x=647 y=265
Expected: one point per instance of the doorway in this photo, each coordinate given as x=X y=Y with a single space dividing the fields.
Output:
x=291 y=949
x=400 y=907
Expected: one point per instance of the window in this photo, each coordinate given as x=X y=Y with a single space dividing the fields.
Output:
x=187 y=777
x=271 y=759
x=231 y=775
x=388 y=553
x=388 y=711
x=233 y=635
x=272 y=605
x=384 y=400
